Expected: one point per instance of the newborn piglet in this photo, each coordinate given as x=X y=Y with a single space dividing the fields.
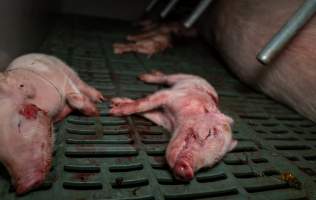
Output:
x=147 y=46
x=154 y=40
x=35 y=91
x=201 y=134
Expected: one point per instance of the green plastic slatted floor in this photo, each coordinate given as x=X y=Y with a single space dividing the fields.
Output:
x=123 y=158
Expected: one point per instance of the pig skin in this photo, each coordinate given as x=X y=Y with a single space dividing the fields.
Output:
x=149 y=46
x=155 y=39
x=35 y=91
x=239 y=29
x=189 y=109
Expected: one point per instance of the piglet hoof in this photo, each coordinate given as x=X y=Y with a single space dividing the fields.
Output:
x=97 y=96
x=121 y=106
x=91 y=111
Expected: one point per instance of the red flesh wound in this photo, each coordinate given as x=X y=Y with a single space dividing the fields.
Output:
x=29 y=111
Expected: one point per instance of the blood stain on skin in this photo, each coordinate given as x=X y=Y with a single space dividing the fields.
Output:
x=29 y=111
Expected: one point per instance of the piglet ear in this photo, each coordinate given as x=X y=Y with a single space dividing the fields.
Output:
x=232 y=145
x=230 y=120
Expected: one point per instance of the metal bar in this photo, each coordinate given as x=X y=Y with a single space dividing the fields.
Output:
x=199 y=9
x=287 y=32
x=168 y=8
x=151 y=5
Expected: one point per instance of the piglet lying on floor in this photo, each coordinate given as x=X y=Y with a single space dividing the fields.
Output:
x=155 y=39
x=201 y=133
x=35 y=91
x=149 y=46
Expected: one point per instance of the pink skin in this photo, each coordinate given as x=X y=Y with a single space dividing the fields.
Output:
x=35 y=91
x=148 y=46
x=239 y=29
x=154 y=40
x=175 y=28
x=201 y=133
x=169 y=28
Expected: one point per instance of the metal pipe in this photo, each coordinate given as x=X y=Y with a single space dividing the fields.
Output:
x=197 y=12
x=168 y=8
x=151 y=5
x=287 y=32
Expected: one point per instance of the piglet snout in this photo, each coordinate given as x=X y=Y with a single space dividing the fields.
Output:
x=29 y=182
x=183 y=170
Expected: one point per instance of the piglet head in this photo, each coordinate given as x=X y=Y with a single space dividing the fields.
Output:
x=200 y=142
x=25 y=143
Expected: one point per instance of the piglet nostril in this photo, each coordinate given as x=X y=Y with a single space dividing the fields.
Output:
x=183 y=171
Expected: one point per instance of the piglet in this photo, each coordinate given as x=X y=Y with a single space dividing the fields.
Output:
x=189 y=109
x=155 y=39
x=148 y=46
x=35 y=91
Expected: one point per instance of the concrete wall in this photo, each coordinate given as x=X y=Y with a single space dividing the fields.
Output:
x=118 y=9
x=23 y=25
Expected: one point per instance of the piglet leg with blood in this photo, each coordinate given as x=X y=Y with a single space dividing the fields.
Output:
x=189 y=109
x=35 y=91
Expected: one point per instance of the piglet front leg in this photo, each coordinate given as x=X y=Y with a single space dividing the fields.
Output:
x=125 y=106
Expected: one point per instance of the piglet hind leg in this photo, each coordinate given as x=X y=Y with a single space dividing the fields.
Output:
x=123 y=106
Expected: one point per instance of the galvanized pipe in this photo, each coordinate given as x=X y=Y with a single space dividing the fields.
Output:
x=151 y=5
x=287 y=32
x=197 y=12
x=168 y=8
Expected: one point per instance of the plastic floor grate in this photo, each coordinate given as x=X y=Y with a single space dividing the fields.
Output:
x=123 y=158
